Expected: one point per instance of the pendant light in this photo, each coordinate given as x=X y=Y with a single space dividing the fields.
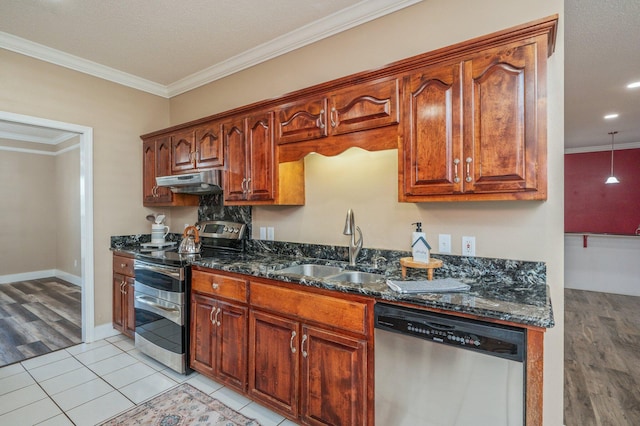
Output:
x=612 y=178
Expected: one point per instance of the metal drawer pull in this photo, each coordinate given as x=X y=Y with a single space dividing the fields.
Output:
x=215 y=286
x=213 y=308
x=216 y=318
x=304 y=339
x=123 y=287
x=249 y=185
x=456 y=178
x=321 y=118
x=333 y=121
x=146 y=301
x=293 y=335
x=468 y=178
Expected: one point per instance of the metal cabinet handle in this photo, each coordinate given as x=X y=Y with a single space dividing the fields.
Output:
x=243 y=185
x=293 y=335
x=215 y=286
x=468 y=161
x=456 y=178
x=123 y=265
x=217 y=321
x=321 y=119
x=154 y=191
x=211 y=316
x=304 y=339
x=148 y=301
x=333 y=121
x=249 y=185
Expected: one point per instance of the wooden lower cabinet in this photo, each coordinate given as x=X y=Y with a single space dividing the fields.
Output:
x=306 y=371
x=334 y=371
x=219 y=340
x=302 y=352
x=123 y=319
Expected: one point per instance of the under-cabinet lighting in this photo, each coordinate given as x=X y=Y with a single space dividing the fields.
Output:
x=633 y=85
x=610 y=116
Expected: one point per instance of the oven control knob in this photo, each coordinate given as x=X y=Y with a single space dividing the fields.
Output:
x=226 y=229
x=236 y=230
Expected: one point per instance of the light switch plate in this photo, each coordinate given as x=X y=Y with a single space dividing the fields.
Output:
x=270 y=233
x=444 y=243
x=263 y=233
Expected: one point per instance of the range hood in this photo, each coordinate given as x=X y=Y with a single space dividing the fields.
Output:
x=203 y=182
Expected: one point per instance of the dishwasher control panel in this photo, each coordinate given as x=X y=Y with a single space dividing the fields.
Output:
x=491 y=339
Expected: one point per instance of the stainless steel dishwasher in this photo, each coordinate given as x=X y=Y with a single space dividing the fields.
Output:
x=434 y=369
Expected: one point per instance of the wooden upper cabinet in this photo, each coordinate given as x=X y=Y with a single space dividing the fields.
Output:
x=496 y=148
x=364 y=106
x=432 y=128
x=261 y=157
x=183 y=144
x=360 y=107
x=302 y=120
x=209 y=150
x=501 y=120
x=156 y=161
x=198 y=147
x=234 y=136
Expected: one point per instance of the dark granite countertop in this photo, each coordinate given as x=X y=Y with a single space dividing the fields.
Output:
x=508 y=290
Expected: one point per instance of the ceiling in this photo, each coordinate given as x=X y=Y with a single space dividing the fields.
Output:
x=165 y=48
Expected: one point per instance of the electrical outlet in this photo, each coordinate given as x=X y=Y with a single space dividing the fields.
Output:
x=468 y=246
x=270 y=233
x=263 y=233
x=444 y=243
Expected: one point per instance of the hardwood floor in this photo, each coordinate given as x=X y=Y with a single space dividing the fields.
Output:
x=602 y=359
x=38 y=317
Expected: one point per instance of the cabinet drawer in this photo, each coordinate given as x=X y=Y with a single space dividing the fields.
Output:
x=123 y=265
x=331 y=311
x=219 y=285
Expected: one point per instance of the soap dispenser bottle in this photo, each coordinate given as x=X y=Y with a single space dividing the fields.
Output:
x=419 y=246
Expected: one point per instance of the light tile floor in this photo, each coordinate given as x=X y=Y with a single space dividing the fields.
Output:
x=89 y=383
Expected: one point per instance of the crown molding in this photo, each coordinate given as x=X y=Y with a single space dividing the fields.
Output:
x=360 y=13
x=340 y=21
x=57 y=57
x=37 y=139
x=598 y=148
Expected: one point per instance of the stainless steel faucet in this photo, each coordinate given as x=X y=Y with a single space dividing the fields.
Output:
x=350 y=228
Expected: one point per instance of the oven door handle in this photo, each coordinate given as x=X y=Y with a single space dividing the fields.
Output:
x=172 y=272
x=149 y=301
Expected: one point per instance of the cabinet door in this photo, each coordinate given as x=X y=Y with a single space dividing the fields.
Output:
x=236 y=155
x=364 y=106
x=119 y=282
x=273 y=361
x=501 y=101
x=231 y=356
x=209 y=146
x=334 y=378
x=156 y=161
x=260 y=145
x=432 y=148
x=183 y=146
x=302 y=120
x=129 y=313
x=202 y=334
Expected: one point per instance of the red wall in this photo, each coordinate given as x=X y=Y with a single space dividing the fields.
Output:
x=590 y=205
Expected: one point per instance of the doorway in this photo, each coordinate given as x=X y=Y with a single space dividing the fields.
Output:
x=85 y=135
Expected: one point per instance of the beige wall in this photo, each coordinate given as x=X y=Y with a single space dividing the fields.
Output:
x=366 y=182
x=118 y=116
x=27 y=240
x=67 y=209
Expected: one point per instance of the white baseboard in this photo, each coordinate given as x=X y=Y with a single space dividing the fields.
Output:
x=46 y=273
x=73 y=279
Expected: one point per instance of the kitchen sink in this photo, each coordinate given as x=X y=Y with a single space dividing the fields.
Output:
x=311 y=270
x=357 y=277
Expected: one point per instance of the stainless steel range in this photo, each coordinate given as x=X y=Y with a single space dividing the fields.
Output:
x=162 y=290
